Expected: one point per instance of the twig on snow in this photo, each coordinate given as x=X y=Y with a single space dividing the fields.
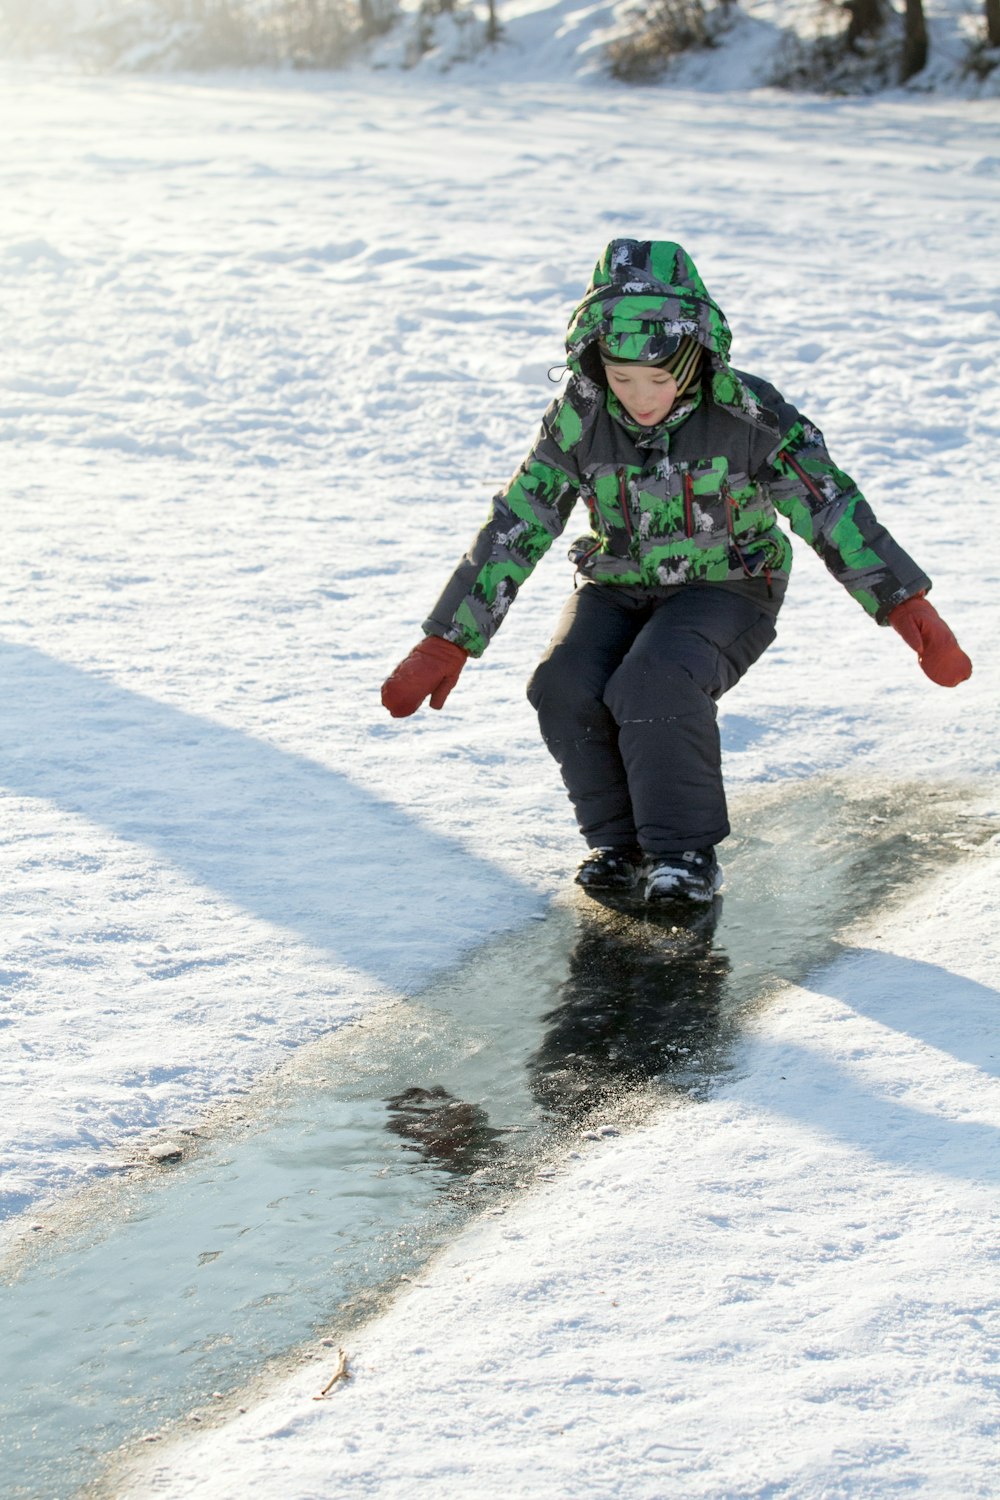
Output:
x=342 y=1372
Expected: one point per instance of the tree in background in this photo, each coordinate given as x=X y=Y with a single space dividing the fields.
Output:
x=164 y=34
x=914 y=55
x=657 y=31
x=885 y=43
x=867 y=20
x=993 y=23
x=376 y=17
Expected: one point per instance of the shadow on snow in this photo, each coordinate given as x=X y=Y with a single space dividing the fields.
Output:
x=277 y=834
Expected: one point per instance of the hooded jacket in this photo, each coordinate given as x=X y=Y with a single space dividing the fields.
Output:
x=692 y=500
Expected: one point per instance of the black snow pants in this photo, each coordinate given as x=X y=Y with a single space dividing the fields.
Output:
x=625 y=696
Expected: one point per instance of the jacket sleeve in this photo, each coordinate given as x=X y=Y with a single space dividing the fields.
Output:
x=523 y=522
x=826 y=508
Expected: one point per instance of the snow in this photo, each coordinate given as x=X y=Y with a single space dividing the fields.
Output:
x=751 y=44
x=788 y=1290
x=270 y=346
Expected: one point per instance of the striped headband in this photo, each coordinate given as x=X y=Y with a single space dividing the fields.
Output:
x=682 y=364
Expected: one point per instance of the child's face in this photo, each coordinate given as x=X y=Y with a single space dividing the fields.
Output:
x=646 y=393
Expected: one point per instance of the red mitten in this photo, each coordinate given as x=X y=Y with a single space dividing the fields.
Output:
x=432 y=667
x=938 y=652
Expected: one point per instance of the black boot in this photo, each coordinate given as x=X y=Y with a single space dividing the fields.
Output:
x=693 y=876
x=610 y=869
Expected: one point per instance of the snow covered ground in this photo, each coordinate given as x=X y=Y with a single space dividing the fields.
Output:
x=269 y=348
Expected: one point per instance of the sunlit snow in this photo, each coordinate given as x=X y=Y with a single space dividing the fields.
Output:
x=269 y=348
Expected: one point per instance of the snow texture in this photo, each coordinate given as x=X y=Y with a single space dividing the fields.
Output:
x=269 y=348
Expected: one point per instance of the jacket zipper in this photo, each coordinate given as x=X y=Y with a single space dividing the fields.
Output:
x=806 y=480
x=688 y=505
x=623 y=503
x=731 y=509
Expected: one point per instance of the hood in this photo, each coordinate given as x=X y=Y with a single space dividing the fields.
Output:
x=643 y=295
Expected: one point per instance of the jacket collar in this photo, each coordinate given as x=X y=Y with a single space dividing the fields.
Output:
x=658 y=436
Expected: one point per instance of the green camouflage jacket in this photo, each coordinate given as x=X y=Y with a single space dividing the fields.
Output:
x=694 y=500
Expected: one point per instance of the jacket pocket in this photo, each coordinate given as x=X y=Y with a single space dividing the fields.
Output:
x=757 y=544
x=765 y=554
x=706 y=499
x=608 y=491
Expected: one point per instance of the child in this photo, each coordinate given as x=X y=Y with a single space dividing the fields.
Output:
x=682 y=463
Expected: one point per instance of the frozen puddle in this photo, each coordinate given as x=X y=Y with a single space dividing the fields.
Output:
x=162 y=1296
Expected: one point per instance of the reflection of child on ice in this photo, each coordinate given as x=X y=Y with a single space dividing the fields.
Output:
x=682 y=463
